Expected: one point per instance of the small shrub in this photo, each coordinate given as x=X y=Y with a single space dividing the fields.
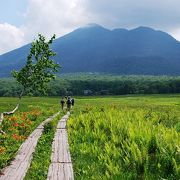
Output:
x=48 y=127
x=153 y=145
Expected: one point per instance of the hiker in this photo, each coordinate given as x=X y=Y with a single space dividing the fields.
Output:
x=62 y=103
x=68 y=103
x=72 y=101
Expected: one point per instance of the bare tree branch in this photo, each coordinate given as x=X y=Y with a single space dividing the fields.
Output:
x=1 y=120
x=10 y=112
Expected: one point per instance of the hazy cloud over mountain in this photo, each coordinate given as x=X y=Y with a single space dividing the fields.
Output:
x=10 y=37
x=62 y=16
x=162 y=13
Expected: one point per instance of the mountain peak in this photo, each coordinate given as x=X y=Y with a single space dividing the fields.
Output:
x=143 y=28
x=92 y=25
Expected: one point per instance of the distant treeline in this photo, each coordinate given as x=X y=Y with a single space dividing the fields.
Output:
x=95 y=84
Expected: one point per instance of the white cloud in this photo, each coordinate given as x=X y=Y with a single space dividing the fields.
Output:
x=55 y=16
x=11 y=37
x=176 y=33
x=163 y=14
x=63 y=16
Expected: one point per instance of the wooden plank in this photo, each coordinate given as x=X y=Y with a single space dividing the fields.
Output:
x=19 y=166
x=60 y=171
x=60 y=147
x=61 y=125
x=61 y=165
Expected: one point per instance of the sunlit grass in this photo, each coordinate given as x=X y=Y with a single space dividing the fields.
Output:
x=128 y=137
x=17 y=127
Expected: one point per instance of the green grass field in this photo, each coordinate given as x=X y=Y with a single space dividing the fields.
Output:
x=17 y=127
x=126 y=137
x=118 y=137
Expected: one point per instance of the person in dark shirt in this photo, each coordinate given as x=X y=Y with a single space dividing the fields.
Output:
x=62 y=103
x=72 y=101
x=68 y=103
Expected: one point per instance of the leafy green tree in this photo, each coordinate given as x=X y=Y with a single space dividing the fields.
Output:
x=38 y=71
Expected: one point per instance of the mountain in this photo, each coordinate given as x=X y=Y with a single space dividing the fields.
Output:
x=94 y=48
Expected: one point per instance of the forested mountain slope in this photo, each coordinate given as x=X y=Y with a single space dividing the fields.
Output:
x=96 y=49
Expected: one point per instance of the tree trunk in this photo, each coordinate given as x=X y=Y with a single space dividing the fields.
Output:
x=1 y=120
x=10 y=112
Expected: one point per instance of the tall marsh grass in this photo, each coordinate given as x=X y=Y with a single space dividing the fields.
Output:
x=116 y=141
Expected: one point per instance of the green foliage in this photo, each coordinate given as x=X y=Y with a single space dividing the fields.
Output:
x=100 y=85
x=39 y=69
x=48 y=127
x=20 y=125
x=125 y=138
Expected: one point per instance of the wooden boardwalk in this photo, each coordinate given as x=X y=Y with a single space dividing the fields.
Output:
x=61 y=165
x=19 y=166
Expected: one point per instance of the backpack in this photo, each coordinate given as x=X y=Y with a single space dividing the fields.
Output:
x=68 y=101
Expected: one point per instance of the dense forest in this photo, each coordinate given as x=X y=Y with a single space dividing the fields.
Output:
x=98 y=84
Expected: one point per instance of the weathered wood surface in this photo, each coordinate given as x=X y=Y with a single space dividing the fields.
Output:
x=1 y=117
x=1 y=120
x=13 y=111
x=61 y=171
x=7 y=113
x=61 y=165
x=61 y=125
x=19 y=166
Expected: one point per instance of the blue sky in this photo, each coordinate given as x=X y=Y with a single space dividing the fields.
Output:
x=11 y=11
x=22 y=20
